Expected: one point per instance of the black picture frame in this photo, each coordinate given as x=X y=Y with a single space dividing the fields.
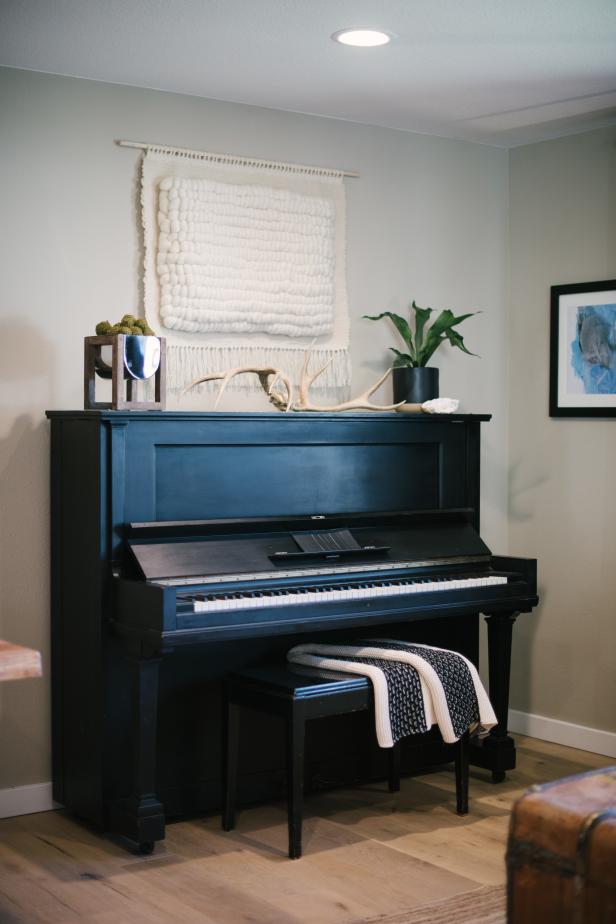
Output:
x=583 y=349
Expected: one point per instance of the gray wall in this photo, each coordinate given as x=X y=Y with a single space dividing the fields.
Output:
x=561 y=471
x=427 y=219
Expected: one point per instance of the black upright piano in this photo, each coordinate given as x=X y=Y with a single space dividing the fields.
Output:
x=187 y=545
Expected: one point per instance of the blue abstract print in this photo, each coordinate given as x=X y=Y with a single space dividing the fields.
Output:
x=593 y=350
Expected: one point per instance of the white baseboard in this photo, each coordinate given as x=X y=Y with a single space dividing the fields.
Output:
x=574 y=736
x=24 y=800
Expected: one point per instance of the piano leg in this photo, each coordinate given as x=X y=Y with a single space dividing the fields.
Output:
x=394 y=768
x=141 y=817
x=461 y=760
x=231 y=726
x=499 y=748
x=296 y=733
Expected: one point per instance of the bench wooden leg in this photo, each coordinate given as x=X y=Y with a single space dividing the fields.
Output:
x=394 y=768
x=462 y=765
x=296 y=733
x=230 y=752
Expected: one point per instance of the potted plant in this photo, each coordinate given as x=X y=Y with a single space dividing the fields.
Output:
x=413 y=380
x=139 y=355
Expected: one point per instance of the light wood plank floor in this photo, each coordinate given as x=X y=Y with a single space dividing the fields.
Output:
x=366 y=853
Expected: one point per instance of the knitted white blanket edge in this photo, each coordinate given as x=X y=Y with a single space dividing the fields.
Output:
x=434 y=699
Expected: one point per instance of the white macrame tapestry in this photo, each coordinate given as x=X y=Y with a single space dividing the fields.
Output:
x=244 y=265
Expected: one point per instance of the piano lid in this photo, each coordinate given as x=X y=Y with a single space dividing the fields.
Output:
x=374 y=542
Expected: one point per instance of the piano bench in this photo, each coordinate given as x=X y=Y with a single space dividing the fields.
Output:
x=298 y=694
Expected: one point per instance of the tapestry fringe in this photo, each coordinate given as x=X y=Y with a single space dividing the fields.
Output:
x=187 y=363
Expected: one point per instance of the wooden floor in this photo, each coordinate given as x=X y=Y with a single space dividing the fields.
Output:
x=367 y=854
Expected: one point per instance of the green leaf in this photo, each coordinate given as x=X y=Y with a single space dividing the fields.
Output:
x=447 y=320
x=402 y=359
x=401 y=326
x=423 y=342
x=432 y=342
x=399 y=323
x=443 y=322
x=421 y=317
x=456 y=340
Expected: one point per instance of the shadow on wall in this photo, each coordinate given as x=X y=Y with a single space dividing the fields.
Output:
x=521 y=491
x=26 y=374
x=25 y=357
x=24 y=539
x=26 y=383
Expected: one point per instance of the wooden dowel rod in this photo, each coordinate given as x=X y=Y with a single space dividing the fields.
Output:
x=221 y=158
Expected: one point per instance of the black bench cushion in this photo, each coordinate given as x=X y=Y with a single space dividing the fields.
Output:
x=300 y=682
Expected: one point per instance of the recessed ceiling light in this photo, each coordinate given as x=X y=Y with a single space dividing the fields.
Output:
x=364 y=38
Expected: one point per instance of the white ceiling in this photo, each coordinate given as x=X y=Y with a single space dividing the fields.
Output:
x=494 y=71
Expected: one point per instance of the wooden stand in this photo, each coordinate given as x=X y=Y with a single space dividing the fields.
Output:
x=121 y=398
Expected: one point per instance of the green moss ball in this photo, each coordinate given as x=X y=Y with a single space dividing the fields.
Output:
x=138 y=327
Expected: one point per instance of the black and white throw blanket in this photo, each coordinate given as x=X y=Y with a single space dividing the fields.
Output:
x=415 y=686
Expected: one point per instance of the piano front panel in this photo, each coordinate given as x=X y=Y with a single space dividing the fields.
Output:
x=310 y=479
x=220 y=465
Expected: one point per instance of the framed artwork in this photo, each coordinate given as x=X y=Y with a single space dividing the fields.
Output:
x=583 y=350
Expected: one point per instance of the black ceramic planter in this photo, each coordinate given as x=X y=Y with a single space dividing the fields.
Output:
x=415 y=384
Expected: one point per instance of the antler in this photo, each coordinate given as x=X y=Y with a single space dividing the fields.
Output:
x=285 y=402
x=276 y=397
x=362 y=401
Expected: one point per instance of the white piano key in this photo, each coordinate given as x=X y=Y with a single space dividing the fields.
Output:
x=329 y=594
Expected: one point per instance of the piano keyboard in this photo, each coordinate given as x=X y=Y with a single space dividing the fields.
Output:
x=206 y=603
